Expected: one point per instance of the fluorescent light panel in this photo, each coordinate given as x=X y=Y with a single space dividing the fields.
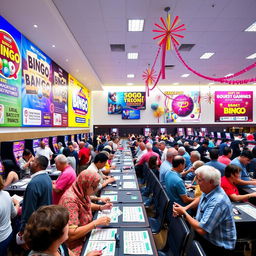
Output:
x=185 y=75
x=129 y=84
x=130 y=75
x=251 y=28
x=175 y=83
x=210 y=83
x=206 y=55
x=229 y=75
x=132 y=55
x=252 y=56
x=135 y=25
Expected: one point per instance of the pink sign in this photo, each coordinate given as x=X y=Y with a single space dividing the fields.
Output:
x=233 y=106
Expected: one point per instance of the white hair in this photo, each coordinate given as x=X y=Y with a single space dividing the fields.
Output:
x=209 y=173
x=61 y=159
x=181 y=150
x=162 y=142
x=148 y=146
x=171 y=152
x=196 y=153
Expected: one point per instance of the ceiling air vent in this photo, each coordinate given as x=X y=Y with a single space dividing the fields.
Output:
x=169 y=67
x=186 y=47
x=117 y=47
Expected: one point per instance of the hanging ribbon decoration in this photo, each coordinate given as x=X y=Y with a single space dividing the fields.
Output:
x=168 y=37
x=150 y=77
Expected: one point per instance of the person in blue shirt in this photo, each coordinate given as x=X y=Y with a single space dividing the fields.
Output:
x=182 y=152
x=166 y=165
x=214 y=223
x=188 y=173
x=174 y=184
x=242 y=161
x=214 y=154
x=223 y=145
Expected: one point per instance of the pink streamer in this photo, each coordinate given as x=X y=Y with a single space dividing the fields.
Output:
x=220 y=80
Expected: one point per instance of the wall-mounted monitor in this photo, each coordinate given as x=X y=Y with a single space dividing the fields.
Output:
x=212 y=134
x=114 y=130
x=218 y=142
x=162 y=130
x=189 y=131
x=130 y=114
x=18 y=148
x=36 y=145
x=218 y=135
x=228 y=136
x=147 y=131
x=203 y=131
x=180 y=131
x=55 y=144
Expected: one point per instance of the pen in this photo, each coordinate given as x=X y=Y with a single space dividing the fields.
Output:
x=104 y=248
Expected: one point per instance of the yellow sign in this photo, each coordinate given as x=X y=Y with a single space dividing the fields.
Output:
x=79 y=104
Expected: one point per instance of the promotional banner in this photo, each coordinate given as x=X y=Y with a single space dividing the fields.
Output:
x=59 y=95
x=78 y=104
x=10 y=75
x=119 y=100
x=182 y=106
x=37 y=106
x=231 y=106
x=130 y=114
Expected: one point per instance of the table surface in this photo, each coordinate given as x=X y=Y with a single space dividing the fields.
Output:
x=124 y=196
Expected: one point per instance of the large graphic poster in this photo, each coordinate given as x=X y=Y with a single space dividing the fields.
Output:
x=78 y=104
x=36 y=86
x=233 y=106
x=59 y=96
x=117 y=101
x=182 y=106
x=10 y=75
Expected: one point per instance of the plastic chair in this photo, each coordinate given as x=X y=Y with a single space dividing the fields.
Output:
x=196 y=249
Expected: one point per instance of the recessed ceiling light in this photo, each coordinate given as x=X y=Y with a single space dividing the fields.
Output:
x=66 y=60
x=251 y=28
x=130 y=75
x=207 y=55
x=252 y=56
x=132 y=55
x=53 y=46
x=229 y=75
x=129 y=83
x=185 y=75
x=175 y=83
x=35 y=26
x=211 y=83
x=135 y=25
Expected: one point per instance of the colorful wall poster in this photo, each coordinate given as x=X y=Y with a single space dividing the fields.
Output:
x=59 y=96
x=18 y=148
x=182 y=106
x=37 y=106
x=119 y=100
x=130 y=114
x=78 y=104
x=10 y=75
x=233 y=106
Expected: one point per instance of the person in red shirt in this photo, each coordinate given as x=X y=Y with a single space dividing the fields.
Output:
x=229 y=181
x=84 y=156
x=227 y=154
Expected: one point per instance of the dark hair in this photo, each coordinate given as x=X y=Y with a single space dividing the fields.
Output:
x=155 y=143
x=66 y=152
x=9 y=166
x=70 y=143
x=26 y=152
x=247 y=153
x=177 y=160
x=43 y=162
x=232 y=169
x=152 y=162
x=108 y=150
x=226 y=151
x=45 y=226
x=254 y=152
x=214 y=154
x=206 y=142
x=1 y=183
x=101 y=157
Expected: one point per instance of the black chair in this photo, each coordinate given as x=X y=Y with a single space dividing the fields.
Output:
x=196 y=249
x=179 y=236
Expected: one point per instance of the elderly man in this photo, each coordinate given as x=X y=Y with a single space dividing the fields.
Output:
x=182 y=152
x=65 y=180
x=188 y=173
x=163 y=150
x=214 y=154
x=84 y=156
x=44 y=151
x=166 y=166
x=146 y=156
x=141 y=152
x=214 y=220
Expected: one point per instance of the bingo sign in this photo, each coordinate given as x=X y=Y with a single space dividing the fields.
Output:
x=233 y=106
x=37 y=106
x=60 y=96
x=182 y=106
x=10 y=75
x=79 y=104
x=117 y=101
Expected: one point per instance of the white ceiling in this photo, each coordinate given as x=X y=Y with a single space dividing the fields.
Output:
x=83 y=30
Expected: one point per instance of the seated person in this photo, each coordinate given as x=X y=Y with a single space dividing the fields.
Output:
x=71 y=159
x=77 y=200
x=153 y=164
x=10 y=172
x=47 y=230
x=25 y=161
x=229 y=181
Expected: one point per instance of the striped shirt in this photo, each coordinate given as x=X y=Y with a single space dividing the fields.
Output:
x=215 y=216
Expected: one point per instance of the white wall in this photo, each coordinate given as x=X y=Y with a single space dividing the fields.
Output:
x=100 y=104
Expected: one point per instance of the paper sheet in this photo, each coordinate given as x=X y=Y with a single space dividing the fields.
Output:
x=22 y=182
x=128 y=177
x=137 y=242
x=248 y=209
x=110 y=192
x=99 y=245
x=113 y=198
x=129 y=184
x=103 y=234
x=133 y=214
x=112 y=214
x=114 y=171
x=18 y=198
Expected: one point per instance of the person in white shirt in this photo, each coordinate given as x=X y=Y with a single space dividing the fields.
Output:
x=163 y=150
x=44 y=151
x=141 y=152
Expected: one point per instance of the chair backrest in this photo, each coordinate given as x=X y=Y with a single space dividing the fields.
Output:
x=196 y=249
x=178 y=235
